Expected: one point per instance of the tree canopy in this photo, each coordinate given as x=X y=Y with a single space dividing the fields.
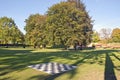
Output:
x=64 y=24
x=35 y=29
x=68 y=24
x=116 y=35
x=9 y=31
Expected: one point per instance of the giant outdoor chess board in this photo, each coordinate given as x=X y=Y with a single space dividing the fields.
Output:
x=52 y=68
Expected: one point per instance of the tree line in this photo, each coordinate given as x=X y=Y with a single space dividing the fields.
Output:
x=9 y=32
x=106 y=35
x=64 y=24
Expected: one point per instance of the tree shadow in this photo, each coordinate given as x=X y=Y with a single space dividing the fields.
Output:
x=86 y=58
x=37 y=77
x=109 y=73
x=116 y=57
x=94 y=55
x=52 y=77
x=18 y=60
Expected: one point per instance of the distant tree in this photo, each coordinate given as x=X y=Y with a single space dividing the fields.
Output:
x=95 y=37
x=9 y=31
x=116 y=35
x=105 y=34
x=35 y=30
x=68 y=25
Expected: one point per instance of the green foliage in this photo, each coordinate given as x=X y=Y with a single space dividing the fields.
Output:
x=65 y=24
x=35 y=30
x=9 y=22
x=95 y=37
x=116 y=35
x=9 y=31
x=68 y=24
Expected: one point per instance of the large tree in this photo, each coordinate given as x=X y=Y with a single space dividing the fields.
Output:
x=116 y=35
x=10 y=32
x=35 y=30
x=68 y=24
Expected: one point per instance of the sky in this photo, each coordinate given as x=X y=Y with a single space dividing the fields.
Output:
x=105 y=13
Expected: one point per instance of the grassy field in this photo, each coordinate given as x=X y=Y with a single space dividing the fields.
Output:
x=91 y=64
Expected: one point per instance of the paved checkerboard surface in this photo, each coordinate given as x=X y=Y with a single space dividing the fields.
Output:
x=52 y=68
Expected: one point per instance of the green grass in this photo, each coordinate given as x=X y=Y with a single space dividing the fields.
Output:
x=91 y=64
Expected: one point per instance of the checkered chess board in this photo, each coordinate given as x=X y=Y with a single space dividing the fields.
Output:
x=52 y=68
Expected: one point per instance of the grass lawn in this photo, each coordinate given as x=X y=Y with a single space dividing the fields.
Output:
x=91 y=64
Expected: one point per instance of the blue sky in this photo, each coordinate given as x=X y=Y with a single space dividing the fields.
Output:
x=104 y=12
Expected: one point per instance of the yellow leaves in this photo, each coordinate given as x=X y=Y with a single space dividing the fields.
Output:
x=116 y=35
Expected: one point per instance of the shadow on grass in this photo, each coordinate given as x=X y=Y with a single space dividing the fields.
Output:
x=37 y=77
x=18 y=60
x=117 y=67
x=52 y=77
x=109 y=69
x=96 y=57
x=116 y=57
